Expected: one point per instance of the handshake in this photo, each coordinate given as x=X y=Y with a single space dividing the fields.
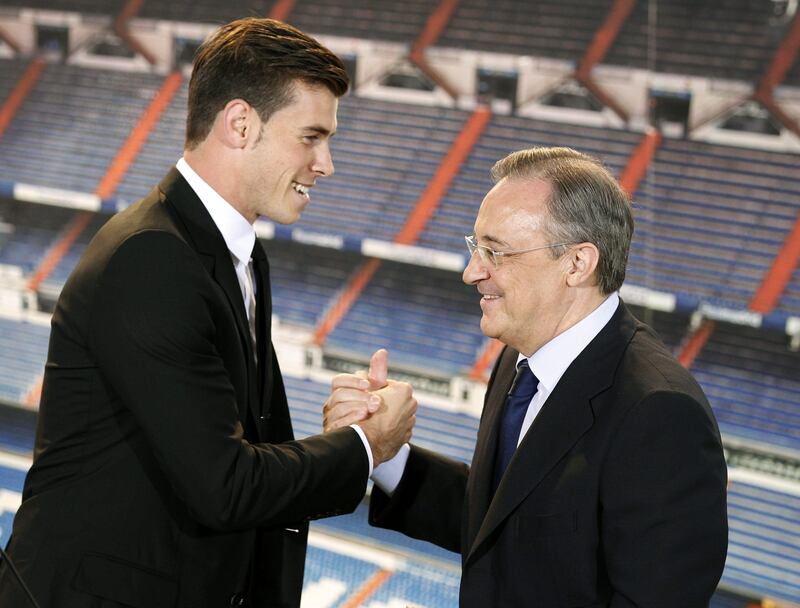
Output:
x=384 y=409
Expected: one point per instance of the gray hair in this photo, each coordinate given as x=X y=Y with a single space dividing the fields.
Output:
x=586 y=205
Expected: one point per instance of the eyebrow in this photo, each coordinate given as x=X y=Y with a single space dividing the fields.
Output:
x=320 y=130
x=494 y=240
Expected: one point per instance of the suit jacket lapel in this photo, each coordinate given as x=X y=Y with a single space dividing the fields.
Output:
x=480 y=477
x=566 y=416
x=201 y=232
x=263 y=327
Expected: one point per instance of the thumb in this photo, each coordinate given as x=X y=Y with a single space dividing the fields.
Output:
x=378 y=369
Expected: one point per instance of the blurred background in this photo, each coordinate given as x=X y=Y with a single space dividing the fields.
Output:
x=693 y=104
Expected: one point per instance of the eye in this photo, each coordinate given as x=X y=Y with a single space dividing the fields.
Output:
x=310 y=139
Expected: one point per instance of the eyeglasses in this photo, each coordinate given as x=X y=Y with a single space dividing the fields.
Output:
x=496 y=257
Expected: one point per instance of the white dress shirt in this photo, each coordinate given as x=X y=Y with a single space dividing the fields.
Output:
x=240 y=237
x=238 y=233
x=548 y=364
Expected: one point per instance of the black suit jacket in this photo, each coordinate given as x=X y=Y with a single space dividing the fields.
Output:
x=165 y=474
x=614 y=498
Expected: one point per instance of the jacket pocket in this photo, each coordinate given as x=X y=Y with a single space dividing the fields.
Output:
x=124 y=582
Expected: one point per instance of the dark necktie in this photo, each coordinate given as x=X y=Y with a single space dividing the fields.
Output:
x=519 y=398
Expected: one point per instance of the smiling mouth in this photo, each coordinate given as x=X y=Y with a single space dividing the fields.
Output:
x=298 y=187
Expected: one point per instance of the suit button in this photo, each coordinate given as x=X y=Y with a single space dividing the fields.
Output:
x=237 y=599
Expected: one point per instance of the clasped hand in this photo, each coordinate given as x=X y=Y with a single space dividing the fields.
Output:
x=384 y=409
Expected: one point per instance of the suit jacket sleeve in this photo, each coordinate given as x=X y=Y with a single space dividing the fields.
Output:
x=427 y=503
x=153 y=336
x=664 y=523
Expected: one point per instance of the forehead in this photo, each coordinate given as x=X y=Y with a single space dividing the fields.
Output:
x=513 y=207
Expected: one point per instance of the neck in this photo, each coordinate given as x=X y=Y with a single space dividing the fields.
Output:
x=574 y=310
x=213 y=167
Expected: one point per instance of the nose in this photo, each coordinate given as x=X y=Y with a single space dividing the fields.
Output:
x=323 y=161
x=476 y=271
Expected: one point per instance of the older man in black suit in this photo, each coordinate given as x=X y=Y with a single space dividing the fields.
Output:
x=165 y=473
x=598 y=478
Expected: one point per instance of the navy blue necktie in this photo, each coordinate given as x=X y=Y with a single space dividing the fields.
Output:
x=519 y=398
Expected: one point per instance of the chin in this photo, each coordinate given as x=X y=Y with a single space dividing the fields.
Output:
x=487 y=329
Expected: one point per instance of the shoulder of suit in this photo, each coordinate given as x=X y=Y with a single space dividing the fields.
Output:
x=648 y=366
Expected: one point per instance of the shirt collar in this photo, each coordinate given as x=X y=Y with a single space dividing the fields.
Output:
x=239 y=234
x=550 y=362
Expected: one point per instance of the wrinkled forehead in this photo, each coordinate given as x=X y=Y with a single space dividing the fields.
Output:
x=512 y=208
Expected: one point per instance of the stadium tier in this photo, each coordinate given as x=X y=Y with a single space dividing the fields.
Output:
x=23 y=350
x=163 y=147
x=27 y=231
x=366 y=19
x=385 y=154
x=10 y=71
x=764 y=541
x=91 y=7
x=700 y=38
x=790 y=300
x=427 y=319
x=551 y=28
x=305 y=280
x=205 y=11
x=751 y=379
x=71 y=126
x=711 y=219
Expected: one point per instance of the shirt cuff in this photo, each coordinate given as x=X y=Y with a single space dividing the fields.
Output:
x=366 y=446
x=387 y=474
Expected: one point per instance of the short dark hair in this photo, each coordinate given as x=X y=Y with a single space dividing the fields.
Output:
x=257 y=60
x=586 y=205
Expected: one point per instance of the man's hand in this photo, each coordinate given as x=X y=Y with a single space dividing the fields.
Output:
x=350 y=401
x=385 y=410
x=390 y=426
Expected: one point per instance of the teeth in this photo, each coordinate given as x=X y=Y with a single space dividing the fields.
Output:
x=490 y=297
x=300 y=188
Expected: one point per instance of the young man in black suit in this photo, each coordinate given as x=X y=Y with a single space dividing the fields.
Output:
x=598 y=477
x=165 y=473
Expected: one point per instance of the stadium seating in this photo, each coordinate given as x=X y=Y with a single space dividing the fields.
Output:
x=764 y=541
x=23 y=350
x=10 y=71
x=97 y=7
x=548 y=28
x=304 y=280
x=30 y=230
x=71 y=126
x=205 y=11
x=384 y=153
x=710 y=220
x=790 y=301
x=162 y=149
x=366 y=19
x=699 y=38
x=751 y=380
x=427 y=319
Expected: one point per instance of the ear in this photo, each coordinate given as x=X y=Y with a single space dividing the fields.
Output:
x=239 y=123
x=582 y=262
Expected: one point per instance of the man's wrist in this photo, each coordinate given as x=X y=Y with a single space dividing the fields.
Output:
x=367 y=447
